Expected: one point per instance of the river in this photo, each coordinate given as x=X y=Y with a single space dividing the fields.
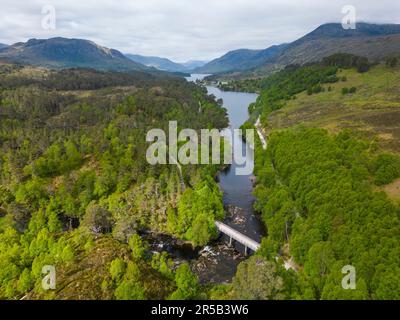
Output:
x=217 y=263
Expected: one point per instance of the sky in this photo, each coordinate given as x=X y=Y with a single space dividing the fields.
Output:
x=182 y=30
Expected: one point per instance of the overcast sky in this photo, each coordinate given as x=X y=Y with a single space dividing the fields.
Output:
x=183 y=29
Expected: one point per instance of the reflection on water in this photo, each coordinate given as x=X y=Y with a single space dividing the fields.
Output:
x=238 y=189
x=217 y=262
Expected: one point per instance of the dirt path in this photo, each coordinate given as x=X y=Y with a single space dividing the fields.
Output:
x=260 y=134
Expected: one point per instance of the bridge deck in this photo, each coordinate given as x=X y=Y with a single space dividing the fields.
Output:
x=244 y=240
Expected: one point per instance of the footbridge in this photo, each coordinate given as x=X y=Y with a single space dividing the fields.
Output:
x=238 y=236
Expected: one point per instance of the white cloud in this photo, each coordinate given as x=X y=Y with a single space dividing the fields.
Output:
x=183 y=29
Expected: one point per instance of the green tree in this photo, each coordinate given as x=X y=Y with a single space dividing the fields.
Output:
x=137 y=246
x=117 y=269
x=187 y=284
x=257 y=279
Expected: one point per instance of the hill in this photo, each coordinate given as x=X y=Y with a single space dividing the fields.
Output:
x=192 y=64
x=369 y=40
x=78 y=136
x=373 y=108
x=373 y=41
x=158 y=63
x=67 y=53
x=242 y=59
x=165 y=64
x=331 y=174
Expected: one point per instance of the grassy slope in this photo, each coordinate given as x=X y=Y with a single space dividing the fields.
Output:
x=374 y=110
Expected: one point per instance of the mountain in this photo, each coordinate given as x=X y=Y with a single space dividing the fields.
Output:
x=67 y=53
x=2 y=45
x=158 y=63
x=192 y=64
x=374 y=41
x=242 y=59
x=166 y=64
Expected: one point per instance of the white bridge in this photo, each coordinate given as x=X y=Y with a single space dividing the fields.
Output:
x=239 y=237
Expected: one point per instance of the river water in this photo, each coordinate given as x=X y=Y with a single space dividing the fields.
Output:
x=217 y=262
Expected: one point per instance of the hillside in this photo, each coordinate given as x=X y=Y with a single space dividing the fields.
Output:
x=373 y=41
x=331 y=174
x=67 y=53
x=76 y=189
x=373 y=109
x=193 y=64
x=243 y=59
x=158 y=63
x=165 y=64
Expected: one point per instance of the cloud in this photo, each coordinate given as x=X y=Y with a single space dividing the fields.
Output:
x=183 y=29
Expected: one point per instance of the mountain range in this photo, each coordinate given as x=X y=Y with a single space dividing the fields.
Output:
x=65 y=53
x=165 y=64
x=373 y=41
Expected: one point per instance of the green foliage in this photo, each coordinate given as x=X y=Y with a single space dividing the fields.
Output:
x=220 y=292
x=197 y=211
x=74 y=160
x=137 y=246
x=349 y=91
x=346 y=60
x=333 y=218
x=163 y=264
x=56 y=160
x=187 y=284
x=117 y=269
x=386 y=168
x=129 y=290
x=284 y=85
x=392 y=62
x=257 y=279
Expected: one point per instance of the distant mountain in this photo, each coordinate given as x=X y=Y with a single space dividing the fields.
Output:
x=242 y=59
x=67 y=53
x=158 y=63
x=2 y=45
x=192 y=64
x=374 y=41
x=166 y=64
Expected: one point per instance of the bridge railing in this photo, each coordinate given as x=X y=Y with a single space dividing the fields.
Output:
x=238 y=236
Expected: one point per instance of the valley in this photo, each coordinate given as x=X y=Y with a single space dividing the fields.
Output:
x=79 y=194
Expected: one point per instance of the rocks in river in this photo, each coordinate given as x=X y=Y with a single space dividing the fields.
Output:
x=217 y=263
x=236 y=215
x=207 y=250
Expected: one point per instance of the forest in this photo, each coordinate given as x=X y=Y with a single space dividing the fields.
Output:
x=318 y=193
x=77 y=191
x=315 y=196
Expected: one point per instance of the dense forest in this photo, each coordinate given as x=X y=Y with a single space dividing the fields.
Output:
x=318 y=195
x=77 y=191
x=315 y=195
